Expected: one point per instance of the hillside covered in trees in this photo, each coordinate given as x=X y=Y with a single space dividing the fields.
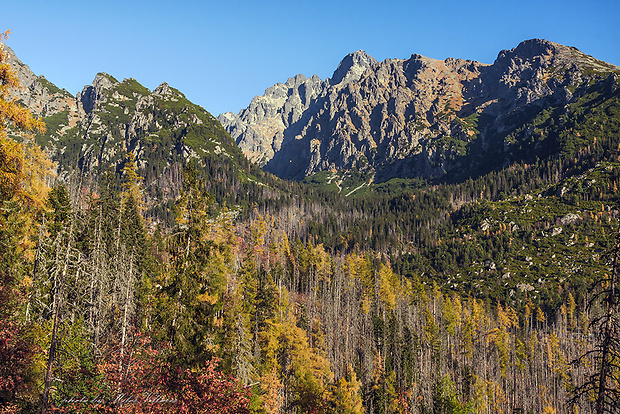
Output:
x=243 y=293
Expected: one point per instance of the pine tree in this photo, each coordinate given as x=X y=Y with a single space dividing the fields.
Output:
x=199 y=263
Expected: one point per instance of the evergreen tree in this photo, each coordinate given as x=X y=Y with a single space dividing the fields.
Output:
x=194 y=284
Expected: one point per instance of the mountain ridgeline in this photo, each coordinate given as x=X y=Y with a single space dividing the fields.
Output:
x=439 y=121
x=92 y=133
x=419 y=117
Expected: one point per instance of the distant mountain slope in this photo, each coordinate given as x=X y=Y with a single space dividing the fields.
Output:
x=418 y=117
x=162 y=127
x=93 y=132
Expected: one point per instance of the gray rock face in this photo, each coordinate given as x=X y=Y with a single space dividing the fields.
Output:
x=351 y=68
x=37 y=93
x=93 y=96
x=25 y=75
x=570 y=218
x=280 y=116
x=259 y=130
x=404 y=118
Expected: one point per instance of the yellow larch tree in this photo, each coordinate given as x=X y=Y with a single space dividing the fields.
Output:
x=23 y=189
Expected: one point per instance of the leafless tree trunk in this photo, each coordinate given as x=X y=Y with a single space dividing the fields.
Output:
x=59 y=281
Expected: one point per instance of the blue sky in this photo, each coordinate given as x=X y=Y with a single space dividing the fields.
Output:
x=222 y=53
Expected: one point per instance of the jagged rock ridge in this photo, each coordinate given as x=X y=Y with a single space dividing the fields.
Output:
x=280 y=115
x=418 y=117
x=93 y=131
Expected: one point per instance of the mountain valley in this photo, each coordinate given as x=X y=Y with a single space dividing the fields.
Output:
x=412 y=235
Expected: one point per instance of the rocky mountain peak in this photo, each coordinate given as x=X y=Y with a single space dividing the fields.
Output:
x=25 y=75
x=163 y=89
x=95 y=93
x=351 y=67
x=545 y=53
x=104 y=81
x=530 y=49
x=405 y=118
x=296 y=80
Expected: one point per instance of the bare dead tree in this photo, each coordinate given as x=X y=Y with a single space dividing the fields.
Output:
x=604 y=384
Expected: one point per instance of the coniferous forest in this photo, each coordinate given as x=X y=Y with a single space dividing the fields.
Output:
x=243 y=293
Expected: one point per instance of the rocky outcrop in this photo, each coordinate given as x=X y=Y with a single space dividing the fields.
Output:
x=37 y=93
x=259 y=129
x=351 y=68
x=406 y=118
x=94 y=96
